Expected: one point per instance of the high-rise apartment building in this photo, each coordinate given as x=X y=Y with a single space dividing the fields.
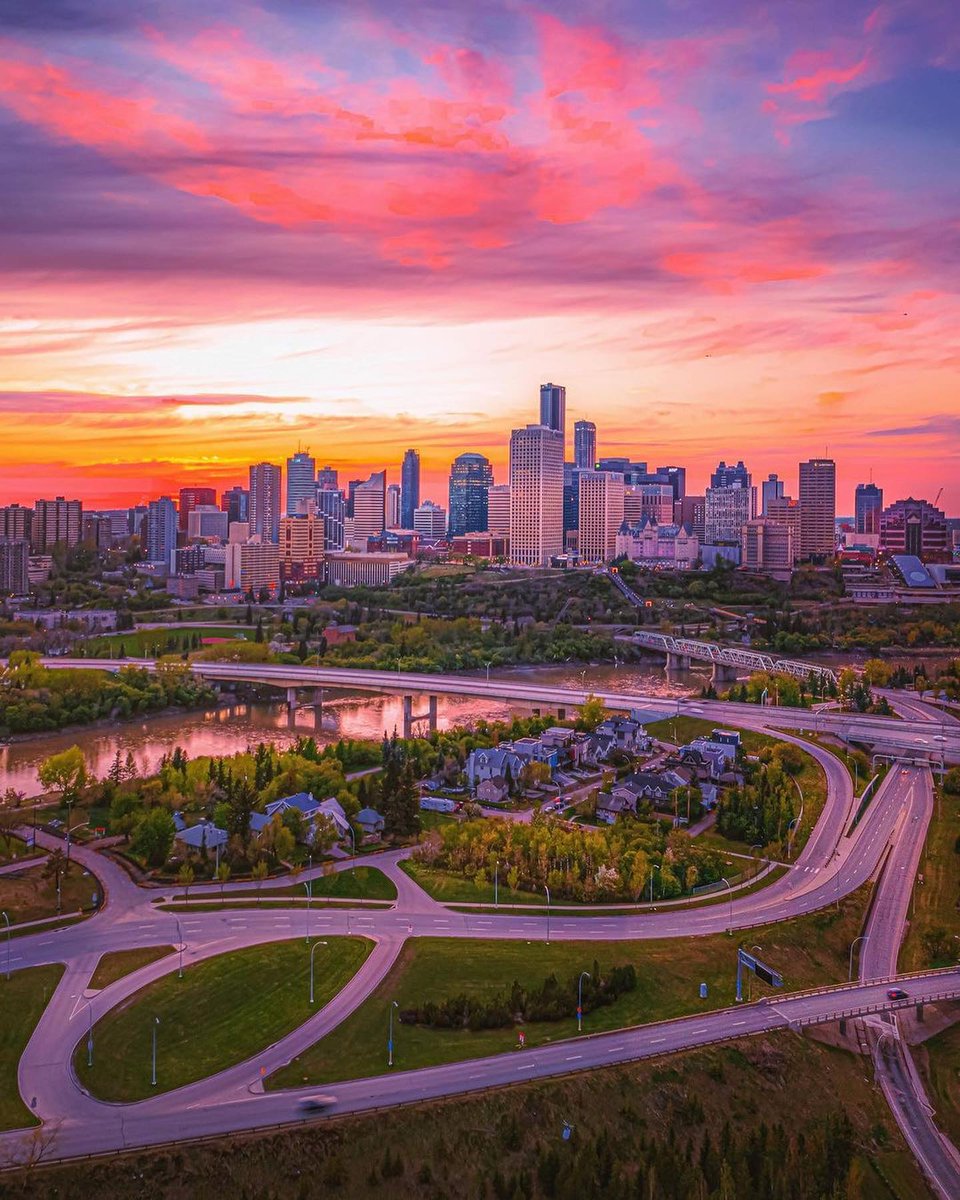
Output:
x=301 y=481
x=191 y=498
x=770 y=489
x=330 y=505
x=56 y=521
x=536 y=495
x=328 y=479
x=265 y=502
x=498 y=509
x=235 y=502
x=585 y=445
x=16 y=523
x=161 y=531
x=369 y=507
x=818 y=509
x=471 y=478
x=208 y=523
x=766 y=546
x=252 y=566
x=409 y=488
x=14 y=566
x=601 y=515
x=728 y=509
x=301 y=547
x=553 y=407
x=868 y=505
x=393 y=506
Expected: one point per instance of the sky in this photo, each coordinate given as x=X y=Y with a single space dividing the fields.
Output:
x=229 y=230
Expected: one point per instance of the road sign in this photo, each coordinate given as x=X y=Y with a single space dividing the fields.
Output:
x=761 y=970
x=703 y=991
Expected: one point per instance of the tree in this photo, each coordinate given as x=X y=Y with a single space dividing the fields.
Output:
x=185 y=877
x=592 y=712
x=938 y=944
x=153 y=837
x=66 y=773
x=259 y=873
x=223 y=875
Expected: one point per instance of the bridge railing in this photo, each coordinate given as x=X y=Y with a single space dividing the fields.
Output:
x=734 y=656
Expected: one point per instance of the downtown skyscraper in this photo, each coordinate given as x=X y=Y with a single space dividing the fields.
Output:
x=264 y=507
x=818 y=508
x=536 y=495
x=585 y=445
x=471 y=478
x=409 y=488
x=553 y=407
x=301 y=481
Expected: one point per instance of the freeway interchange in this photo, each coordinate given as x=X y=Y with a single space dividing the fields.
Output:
x=837 y=858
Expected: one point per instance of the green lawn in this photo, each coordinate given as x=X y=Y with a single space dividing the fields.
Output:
x=808 y=950
x=936 y=901
x=223 y=1011
x=116 y=963
x=12 y=849
x=942 y=1055
x=143 y=643
x=451 y=888
x=23 y=997
x=31 y=894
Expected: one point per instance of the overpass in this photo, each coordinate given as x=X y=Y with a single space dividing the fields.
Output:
x=727 y=660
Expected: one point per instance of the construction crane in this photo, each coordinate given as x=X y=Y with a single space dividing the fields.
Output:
x=937 y=501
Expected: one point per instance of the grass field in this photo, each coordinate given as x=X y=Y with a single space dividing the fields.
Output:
x=146 y=643
x=23 y=997
x=224 y=1010
x=13 y=849
x=941 y=1062
x=465 y=1146
x=807 y=950
x=116 y=963
x=451 y=888
x=30 y=895
x=358 y=883
x=936 y=901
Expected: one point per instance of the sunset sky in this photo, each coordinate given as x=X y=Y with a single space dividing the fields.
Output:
x=228 y=229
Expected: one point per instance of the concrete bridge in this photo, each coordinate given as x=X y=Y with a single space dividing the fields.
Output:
x=726 y=660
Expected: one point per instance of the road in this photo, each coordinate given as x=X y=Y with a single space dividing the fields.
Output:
x=833 y=862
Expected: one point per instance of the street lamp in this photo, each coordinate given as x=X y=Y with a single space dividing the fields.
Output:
x=583 y=974
x=309 y=890
x=180 y=943
x=488 y=666
x=7 y=919
x=795 y=823
x=864 y=937
x=153 y=1073
x=393 y=1005
x=730 y=892
x=653 y=868
x=90 y=1033
x=313 y=950
x=547 y=890
x=496 y=883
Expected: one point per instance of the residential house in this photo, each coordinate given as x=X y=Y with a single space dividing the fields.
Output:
x=371 y=822
x=493 y=791
x=628 y=735
x=612 y=805
x=493 y=762
x=312 y=812
x=203 y=835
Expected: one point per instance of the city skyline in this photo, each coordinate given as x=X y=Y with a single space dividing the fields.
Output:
x=729 y=234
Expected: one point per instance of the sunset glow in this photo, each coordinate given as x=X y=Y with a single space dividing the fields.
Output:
x=731 y=230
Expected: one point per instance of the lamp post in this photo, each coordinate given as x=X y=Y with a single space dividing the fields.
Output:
x=795 y=823
x=90 y=1033
x=864 y=937
x=730 y=917
x=153 y=1072
x=583 y=974
x=653 y=868
x=313 y=950
x=496 y=883
x=393 y=1005
x=488 y=666
x=7 y=919
x=547 y=890
x=180 y=943
x=309 y=890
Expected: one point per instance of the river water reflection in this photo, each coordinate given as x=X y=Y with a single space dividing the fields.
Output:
x=355 y=715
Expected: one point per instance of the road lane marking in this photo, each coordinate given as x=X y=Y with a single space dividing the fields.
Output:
x=573 y=1057
x=656 y=1041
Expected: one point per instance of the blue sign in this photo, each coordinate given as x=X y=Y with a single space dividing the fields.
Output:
x=703 y=991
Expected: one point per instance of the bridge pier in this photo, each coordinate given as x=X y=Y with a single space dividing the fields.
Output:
x=291 y=700
x=432 y=713
x=723 y=673
x=678 y=662
x=430 y=716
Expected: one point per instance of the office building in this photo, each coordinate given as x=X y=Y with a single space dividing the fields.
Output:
x=394 y=541
x=648 y=500
x=571 y=502
x=725 y=476
x=536 y=495
x=252 y=567
x=301 y=481
x=868 y=505
x=208 y=523
x=393 y=506
x=784 y=510
x=691 y=512
x=601 y=515
x=498 y=509
x=553 y=407
x=369 y=506
x=409 y=488
x=676 y=477
x=915 y=527
x=328 y=479
x=770 y=489
x=818 y=509
x=161 y=531
x=766 y=546
x=191 y=498
x=585 y=445
x=14 y=566
x=16 y=523
x=330 y=506
x=301 y=546
x=365 y=570
x=57 y=522
x=728 y=509
x=265 y=501
x=430 y=522
x=471 y=478
x=235 y=502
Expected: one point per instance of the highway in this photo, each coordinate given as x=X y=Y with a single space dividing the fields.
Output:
x=834 y=861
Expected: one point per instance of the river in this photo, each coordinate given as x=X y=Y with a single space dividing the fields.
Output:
x=352 y=715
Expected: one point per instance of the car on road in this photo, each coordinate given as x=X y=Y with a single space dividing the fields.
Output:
x=317 y=1103
x=897 y=994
